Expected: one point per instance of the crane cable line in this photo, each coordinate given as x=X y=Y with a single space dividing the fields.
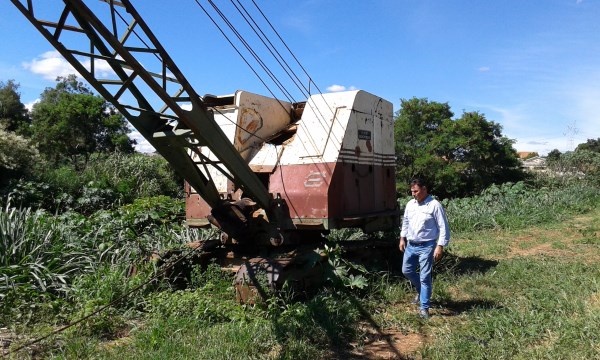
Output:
x=287 y=47
x=271 y=47
x=279 y=58
x=319 y=115
x=310 y=80
x=263 y=37
x=248 y=47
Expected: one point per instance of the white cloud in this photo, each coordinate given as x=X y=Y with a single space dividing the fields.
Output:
x=142 y=144
x=51 y=65
x=484 y=69
x=29 y=105
x=337 y=88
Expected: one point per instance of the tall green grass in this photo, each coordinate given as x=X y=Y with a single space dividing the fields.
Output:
x=514 y=206
x=37 y=253
x=515 y=308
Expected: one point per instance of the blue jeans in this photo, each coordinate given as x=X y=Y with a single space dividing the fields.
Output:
x=422 y=255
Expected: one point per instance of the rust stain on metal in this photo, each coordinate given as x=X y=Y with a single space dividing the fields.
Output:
x=252 y=125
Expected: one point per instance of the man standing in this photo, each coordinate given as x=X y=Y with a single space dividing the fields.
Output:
x=424 y=235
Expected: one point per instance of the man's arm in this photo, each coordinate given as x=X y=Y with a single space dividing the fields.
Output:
x=444 y=228
x=404 y=229
x=402 y=243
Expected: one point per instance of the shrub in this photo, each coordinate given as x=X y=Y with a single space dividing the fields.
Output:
x=511 y=206
x=38 y=255
x=17 y=156
x=104 y=182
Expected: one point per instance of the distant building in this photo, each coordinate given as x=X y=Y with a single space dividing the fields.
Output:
x=526 y=154
x=536 y=163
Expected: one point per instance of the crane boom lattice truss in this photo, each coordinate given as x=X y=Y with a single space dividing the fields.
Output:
x=112 y=55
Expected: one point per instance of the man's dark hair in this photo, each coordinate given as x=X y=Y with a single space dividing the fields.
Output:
x=420 y=182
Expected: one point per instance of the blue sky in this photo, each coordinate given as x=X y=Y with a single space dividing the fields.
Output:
x=532 y=66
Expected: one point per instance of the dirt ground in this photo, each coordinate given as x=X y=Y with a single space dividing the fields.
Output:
x=387 y=345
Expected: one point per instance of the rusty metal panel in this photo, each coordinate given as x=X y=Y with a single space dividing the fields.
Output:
x=337 y=170
x=247 y=122
x=305 y=188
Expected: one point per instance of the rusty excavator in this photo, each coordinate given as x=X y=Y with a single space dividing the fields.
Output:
x=268 y=173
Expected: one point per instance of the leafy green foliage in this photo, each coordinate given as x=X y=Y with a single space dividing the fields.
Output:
x=592 y=145
x=133 y=232
x=37 y=255
x=18 y=157
x=348 y=273
x=211 y=300
x=583 y=164
x=103 y=183
x=553 y=156
x=459 y=157
x=13 y=114
x=104 y=286
x=331 y=316
x=70 y=122
x=41 y=255
x=512 y=206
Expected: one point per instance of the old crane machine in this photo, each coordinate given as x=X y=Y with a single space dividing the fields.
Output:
x=264 y=171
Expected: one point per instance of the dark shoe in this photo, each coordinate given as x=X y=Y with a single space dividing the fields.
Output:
x=424 y=313
x=416 y=300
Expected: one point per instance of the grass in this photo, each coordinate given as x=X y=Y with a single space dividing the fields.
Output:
x=539 y=301
x=511 y=291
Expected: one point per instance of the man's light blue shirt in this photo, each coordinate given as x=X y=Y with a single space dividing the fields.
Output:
x=425 y=221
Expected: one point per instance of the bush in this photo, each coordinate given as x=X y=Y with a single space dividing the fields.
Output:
x=580 y=164
x=512 y=206
x=17 y=156
x=105 y=182
x=38 y=255
x=210 y=301
x=134 y=176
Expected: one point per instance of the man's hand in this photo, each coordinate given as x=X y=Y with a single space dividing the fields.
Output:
x=438 y=252
x=402 y=244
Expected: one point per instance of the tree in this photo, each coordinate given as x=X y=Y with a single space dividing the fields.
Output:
x=582 y=164
x=553 y=156
x=17 y=156
x=459 y=157
x=590 y=145
x=415 y=126
x=13 y=114
x=71 y=122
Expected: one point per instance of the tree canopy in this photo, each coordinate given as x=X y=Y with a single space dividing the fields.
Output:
x=553 y=155
x=70 y=121
x=459 y=157
x=590 y=145
x=13 y=114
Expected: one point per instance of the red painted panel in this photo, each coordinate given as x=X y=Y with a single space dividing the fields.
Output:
x=325 y=191
x=304 y=187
